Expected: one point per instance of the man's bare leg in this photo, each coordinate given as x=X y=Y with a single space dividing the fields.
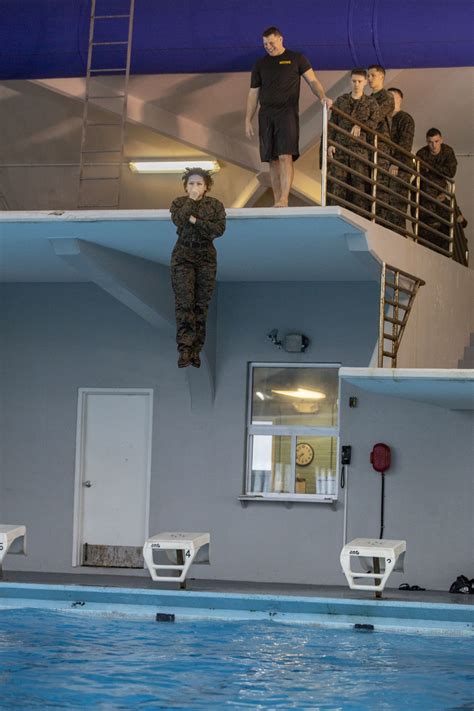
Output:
x=275 y=179
x=286 y=173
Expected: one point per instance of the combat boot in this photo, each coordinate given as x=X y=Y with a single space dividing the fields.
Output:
x=195 y=359
x=184 y=358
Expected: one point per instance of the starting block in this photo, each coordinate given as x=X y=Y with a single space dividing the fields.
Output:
x=12 y=540
x=181 y=549
x=377 y=557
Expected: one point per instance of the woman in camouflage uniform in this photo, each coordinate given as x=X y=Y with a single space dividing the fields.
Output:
x=199 y=220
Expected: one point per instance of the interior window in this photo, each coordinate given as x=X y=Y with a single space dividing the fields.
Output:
x=292 y=431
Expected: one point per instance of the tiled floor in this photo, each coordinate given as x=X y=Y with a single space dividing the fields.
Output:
x=229 y=586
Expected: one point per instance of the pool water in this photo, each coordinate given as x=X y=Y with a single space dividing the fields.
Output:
x=53 y=660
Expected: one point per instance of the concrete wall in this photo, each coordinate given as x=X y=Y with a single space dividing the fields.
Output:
x=429 y=492
x=464 y=190
x=442 y=317
x=58 y=338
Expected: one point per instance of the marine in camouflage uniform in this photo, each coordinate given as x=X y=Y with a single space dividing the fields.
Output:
x=362 y=110
x=402 y=133
x=386 y=107
x=193 y=265
x=443 y=159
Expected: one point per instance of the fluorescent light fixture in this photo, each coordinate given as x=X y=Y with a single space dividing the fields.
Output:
x=172 y=166
x=260 y=395
x=302 y=394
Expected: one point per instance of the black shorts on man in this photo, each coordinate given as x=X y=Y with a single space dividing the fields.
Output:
x=279 y=133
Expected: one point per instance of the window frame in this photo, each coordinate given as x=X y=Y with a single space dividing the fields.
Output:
x=292 y=431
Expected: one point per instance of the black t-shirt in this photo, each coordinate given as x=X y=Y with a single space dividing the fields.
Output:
x=278 y=79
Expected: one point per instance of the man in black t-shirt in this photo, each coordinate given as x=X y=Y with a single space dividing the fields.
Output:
x=275 y=84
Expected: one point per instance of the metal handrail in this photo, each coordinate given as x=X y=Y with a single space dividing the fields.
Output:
x=422 y=211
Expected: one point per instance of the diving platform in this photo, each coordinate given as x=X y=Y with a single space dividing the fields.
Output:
x=127 y=253
x=444 y=387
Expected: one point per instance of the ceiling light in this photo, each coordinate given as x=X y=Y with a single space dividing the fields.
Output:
x=260 y=395
x=172 y=166
x=302 y=394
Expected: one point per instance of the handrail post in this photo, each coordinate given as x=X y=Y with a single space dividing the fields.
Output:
x=417 y=199
x=373 y=207
x=324 y=164
x=452 y=217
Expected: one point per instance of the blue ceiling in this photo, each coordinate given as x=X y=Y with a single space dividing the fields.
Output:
x=49 y=38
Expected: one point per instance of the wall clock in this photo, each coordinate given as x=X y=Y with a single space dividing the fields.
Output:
x=304 y=454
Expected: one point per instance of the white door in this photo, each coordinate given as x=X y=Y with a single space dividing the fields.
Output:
x=113 y=460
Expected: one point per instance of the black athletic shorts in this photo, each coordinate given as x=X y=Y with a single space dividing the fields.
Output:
x=279 y=131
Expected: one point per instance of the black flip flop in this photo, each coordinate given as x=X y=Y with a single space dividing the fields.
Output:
x=405 y=586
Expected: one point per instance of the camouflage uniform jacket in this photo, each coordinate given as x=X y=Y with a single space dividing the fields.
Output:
x=402 y=133
x=444 y=162
x=210 y=221
x=363 y=110
x=386 y=107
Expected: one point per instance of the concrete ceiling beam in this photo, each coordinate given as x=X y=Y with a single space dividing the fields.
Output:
x=177 y=127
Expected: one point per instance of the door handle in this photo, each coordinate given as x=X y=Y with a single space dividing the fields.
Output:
x=87 y=484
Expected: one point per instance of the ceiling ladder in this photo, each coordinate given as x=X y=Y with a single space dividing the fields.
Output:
x=397 y=294
x=102 y=143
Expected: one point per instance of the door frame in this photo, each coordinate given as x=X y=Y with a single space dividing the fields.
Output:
x=77 y=557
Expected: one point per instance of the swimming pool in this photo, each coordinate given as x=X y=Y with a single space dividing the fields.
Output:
x=77 y=647
x=50 y=660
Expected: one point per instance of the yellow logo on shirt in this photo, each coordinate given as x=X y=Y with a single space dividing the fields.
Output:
x=285 y=61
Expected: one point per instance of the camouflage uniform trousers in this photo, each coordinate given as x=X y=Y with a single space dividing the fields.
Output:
x=193 y=277
x=400 y=200
x=431 y=220
x=355 y=181
x=383 y=181
x=445 y=163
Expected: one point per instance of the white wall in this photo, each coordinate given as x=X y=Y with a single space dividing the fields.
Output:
x=62 y=337
x=429 y=487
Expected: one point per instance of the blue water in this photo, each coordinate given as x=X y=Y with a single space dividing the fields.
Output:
x=71 y=661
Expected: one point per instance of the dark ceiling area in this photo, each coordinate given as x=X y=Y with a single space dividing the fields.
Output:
x=49 y=38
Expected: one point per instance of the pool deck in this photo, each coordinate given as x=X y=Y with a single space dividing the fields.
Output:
x=429 y=612
x=141 y=582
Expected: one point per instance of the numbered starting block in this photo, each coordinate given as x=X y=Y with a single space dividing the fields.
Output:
x=376 y=558
x=12 y=540
x=180 y=550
